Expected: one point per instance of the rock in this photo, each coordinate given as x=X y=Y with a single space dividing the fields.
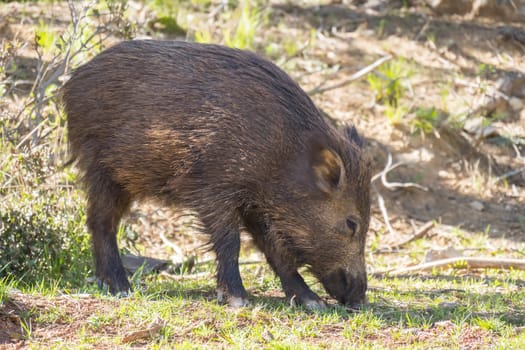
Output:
x=496 y=9
x=512 y=34
x=448 y=305
x=516 y=103
x=441 y=254
x=512 y=84
x=445 y=174
x=458 y=7
x=477 y=205
x=475 y=126
x=416 y=156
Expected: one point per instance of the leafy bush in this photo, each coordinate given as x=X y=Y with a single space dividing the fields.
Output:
x=41 y=237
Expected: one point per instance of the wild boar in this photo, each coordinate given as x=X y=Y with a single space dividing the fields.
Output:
x=230 y=136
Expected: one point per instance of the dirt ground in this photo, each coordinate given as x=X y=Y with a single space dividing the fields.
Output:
x=457 y=169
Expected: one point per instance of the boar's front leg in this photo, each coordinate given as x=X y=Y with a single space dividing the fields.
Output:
x=293 y=284
x=282 y=263
x=226 y=243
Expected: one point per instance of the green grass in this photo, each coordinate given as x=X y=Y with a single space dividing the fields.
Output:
x=400 y=312
x=241 y=26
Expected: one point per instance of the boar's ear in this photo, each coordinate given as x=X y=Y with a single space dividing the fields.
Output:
x=329 y=171
x=353 y=136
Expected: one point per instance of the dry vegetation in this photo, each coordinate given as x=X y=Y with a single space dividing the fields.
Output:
x=444 y=114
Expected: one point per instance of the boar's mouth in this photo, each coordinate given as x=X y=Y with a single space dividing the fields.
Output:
x=346 y=287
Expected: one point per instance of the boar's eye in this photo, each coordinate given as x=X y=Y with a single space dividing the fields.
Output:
x=353 y=225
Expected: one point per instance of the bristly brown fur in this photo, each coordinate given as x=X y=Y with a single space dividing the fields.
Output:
x=230 y=136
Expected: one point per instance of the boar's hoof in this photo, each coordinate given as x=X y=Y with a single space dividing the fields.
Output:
x=233 y=301
x=123 y=292
x=237 y=302
x=309 y=303
x=312 y=304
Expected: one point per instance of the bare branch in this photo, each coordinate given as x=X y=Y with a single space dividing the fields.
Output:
x=394 y=185
x=509 y=174
x=420 y=233
x=460 y=263
x=384 y=212
x=357 y=75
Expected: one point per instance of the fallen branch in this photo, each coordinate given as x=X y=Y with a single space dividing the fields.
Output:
x=152 y=330
x=509 y=174
x=381 y=200
x=172 y=245
x=193 y=276
x=420 y=233
x=384 y=212
x=460 y=263
x=390 y=185
x=394 y=185
x=362 y=72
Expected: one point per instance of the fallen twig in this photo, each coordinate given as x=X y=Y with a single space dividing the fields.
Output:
x=390 y=185
x=509 y=174
x=420 y=233
x=169 y=243
x=384 y=212
x=394 y=185
x=381 y=201
x=362 y=72
x=153 y=329
x=422 y=30
x=460 y=262
x=193 y=276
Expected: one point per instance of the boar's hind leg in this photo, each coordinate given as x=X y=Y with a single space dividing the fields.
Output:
x=293 y=284
x=226 y=243
x=107 y=202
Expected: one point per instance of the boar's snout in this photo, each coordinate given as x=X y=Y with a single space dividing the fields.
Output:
x=347 y=287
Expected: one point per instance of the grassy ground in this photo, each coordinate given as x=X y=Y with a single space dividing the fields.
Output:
x=438 y=311
x=415 y=106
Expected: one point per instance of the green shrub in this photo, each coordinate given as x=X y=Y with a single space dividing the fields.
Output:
x=425 y=120
x=387 y=81
x=41 y=239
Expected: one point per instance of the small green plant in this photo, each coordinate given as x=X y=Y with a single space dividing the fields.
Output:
x=425 y=120
x=240 y=28
x=45 y=37
x=249 y=18
x=485 y=69
x=381 y=27
x=6 y=283
x=387 y=82
x=166 y=20
x=431 y=37
x=444 y=93
x=395 y=114
x=203 y=36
